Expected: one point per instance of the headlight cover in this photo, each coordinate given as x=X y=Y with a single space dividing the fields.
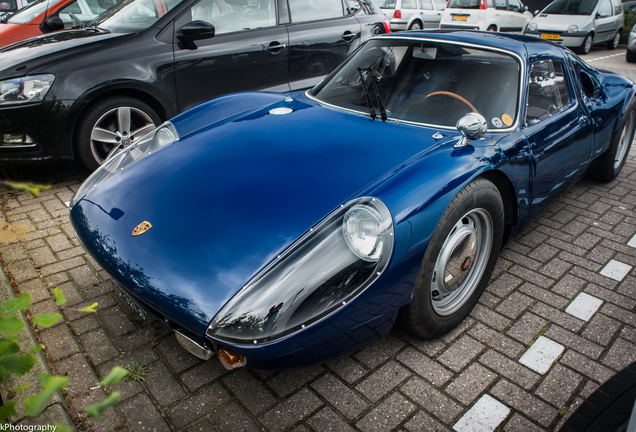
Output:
x=25 y=89
x=573 y=29
x=532 y=26
x=161 y=137
x=321 y=272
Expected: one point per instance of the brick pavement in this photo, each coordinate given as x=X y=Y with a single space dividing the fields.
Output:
x=558 y=289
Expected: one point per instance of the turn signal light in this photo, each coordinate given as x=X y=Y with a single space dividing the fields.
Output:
x=482 y=4
x=230 y=359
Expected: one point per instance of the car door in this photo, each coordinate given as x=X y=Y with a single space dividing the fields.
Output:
x=517 y=20
x=557 y=130
x=604 y=22
x=430 y=17
x=322 y=34
x=248 y=51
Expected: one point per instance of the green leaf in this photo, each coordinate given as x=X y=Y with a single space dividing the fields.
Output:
x=8 y=346
x=7 y=410
x=115 y=375
x=10 y=324
x=91 y=308
x=47 y=319
x=44 y=378
x=59 y=297
x=59 y=427
x=16 y=364
x=96 y=410
x=20 y=388
x=36 y=349
x=15 y=304
x=33 y=188
x=34 y=405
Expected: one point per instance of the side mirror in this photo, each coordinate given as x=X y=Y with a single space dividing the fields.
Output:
x=525 y=8
x=601 y=15
x=472 y=126
x=535 y=13
x=52 y=24
x=196 y=30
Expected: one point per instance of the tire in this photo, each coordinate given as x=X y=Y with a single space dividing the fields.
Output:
x=441 y=301
x=630 y=56
x=610 y=163
x=612 y=44
x=608 y=409
x=492 y=28
x=98 y=131
x=415 y=25
x=586 y=46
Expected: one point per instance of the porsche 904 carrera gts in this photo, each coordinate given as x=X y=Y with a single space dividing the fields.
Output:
x=279 y=230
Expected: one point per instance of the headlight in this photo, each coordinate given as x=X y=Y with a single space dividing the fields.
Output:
x=573 y=29
x=26 y=89
x=532 y=26
x=161 y=137
x=323 y=271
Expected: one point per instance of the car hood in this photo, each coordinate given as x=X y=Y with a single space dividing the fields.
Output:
x=560 y=22
x=40 y=51
x=231 y=196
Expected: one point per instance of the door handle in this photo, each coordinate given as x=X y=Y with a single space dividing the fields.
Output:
x=583 y=120
x=348 y=36
x=275 y=47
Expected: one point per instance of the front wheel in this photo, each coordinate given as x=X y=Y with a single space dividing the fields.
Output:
x=458 y=261
x=111 y=125
x=610 y=164
x=612 y=44
x=586 y=46
x=630 y=56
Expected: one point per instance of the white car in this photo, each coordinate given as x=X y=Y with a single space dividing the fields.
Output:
x=579 y=24
x=8 y=7
x=413 y=14
x=491 y=15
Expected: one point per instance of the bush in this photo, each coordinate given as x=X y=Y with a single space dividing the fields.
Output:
x=628 y=23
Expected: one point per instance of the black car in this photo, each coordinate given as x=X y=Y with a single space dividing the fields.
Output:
x=88 y=92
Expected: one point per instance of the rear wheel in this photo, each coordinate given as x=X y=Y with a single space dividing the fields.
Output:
x=612 y=44
x=415 y=25
x=492 y=28
x=110 y=125
x=630 y=56
x=609 y=165
x=458 y=261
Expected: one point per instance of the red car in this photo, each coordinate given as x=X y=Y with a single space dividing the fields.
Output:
x=45 y=16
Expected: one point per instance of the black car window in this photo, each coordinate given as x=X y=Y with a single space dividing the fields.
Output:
x=235 y=15
x=500 y=4
x=571 y=7
x=514 y=5
x=313 y=10
x=464 y=4
x=8 y=6
x=547 y=91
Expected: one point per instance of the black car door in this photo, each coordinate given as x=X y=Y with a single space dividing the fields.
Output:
x=248 y=51
x=558 y=132
x=322 y=33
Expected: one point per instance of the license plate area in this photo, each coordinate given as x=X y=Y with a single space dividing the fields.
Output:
x=459 y=17
x=550 y=36
x=131 y=301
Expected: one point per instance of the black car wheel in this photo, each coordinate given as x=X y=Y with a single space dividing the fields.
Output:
x=458 y=261
x=415 y=25
x=110 y=125
x=630 y=56
x=609 y=165
x=586 y=46
x=492 y=28
x=612 y=44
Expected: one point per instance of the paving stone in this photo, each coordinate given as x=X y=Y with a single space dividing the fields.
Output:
x=386 y=416
x=554 y=315
x=58 y=242
x=80 y=374
x=584 y=306
x=326 y=420
x=616 y=270
x=86 y=324
x=485 y=415
x=529 y=405
x=527 y=327
x=575 y=342
x=142 y=415
x=424 y=366
x=298 y=407
x=620 y=355
x=36 y=288
x=496 y=340
x=461 y=353
x=601 y=329
x=544 y=253
x=619 y=314
x=59 y=342
x=586 y=366
x=505 y=284
x=115 y=321
x=42 y=256
x=202 y=374
x=490 y=317
x=347 y=369
x=555 y=268
x=471 y=383
x=162 y=384
x=377 y=353
x=231 y=418
x=13 y=252
x=509 y=369
x=610 y=296
x=431 y=399
x=531 y=276
x=593 y=277
x=422 y=422
x=98 y=346
x=520 y=424
x=197 y=405
x=520 y=259
x=544 y=295
x=382 y=381
x=178 y=358
x=62 y=266
x=250 y=391
x=83 y=275
x=533 y=239
x=109 y=422
x=21 y=271
x=343 y=399
x=514 y=305
x=459 y=330
x=559 y=386
x=287 y=381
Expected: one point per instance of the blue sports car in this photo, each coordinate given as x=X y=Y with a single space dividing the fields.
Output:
x=280 y=230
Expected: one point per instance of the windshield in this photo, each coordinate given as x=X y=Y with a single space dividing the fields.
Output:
x=464 y=4
x=426 y=82
x=571 y=7
x=131 y=16
x=27 y=13
x=387 y=4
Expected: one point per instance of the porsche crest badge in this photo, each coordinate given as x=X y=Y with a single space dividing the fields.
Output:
x=141 y=228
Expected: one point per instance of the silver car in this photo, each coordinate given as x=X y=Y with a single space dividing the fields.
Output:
x=630 y=56
x=413 y=14
x=579 y=24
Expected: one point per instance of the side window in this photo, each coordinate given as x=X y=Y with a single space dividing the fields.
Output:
x=408 y=4
x=500 y=4
x=606 y=9
x=426 y=5
x=232 y=16
x=547 y=91
x=313 y=10
x=514 y=5
x=618 y=7
x=439 y=4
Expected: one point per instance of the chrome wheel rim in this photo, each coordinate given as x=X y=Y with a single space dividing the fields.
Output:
x=617 y=37
x=588 y=44
x=626 y=137
x=461 y=262
x=118 y=129
x=416 y=26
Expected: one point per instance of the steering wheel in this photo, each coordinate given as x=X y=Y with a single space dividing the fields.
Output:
x=454 y=96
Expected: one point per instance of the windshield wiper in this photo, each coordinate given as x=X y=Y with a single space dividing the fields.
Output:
x=366 y=91
x=370 y=75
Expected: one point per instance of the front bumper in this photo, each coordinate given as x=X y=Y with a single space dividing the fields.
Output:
x=570 y=40
x=461 y=27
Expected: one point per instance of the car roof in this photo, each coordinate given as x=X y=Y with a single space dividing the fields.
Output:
x=519 y=44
